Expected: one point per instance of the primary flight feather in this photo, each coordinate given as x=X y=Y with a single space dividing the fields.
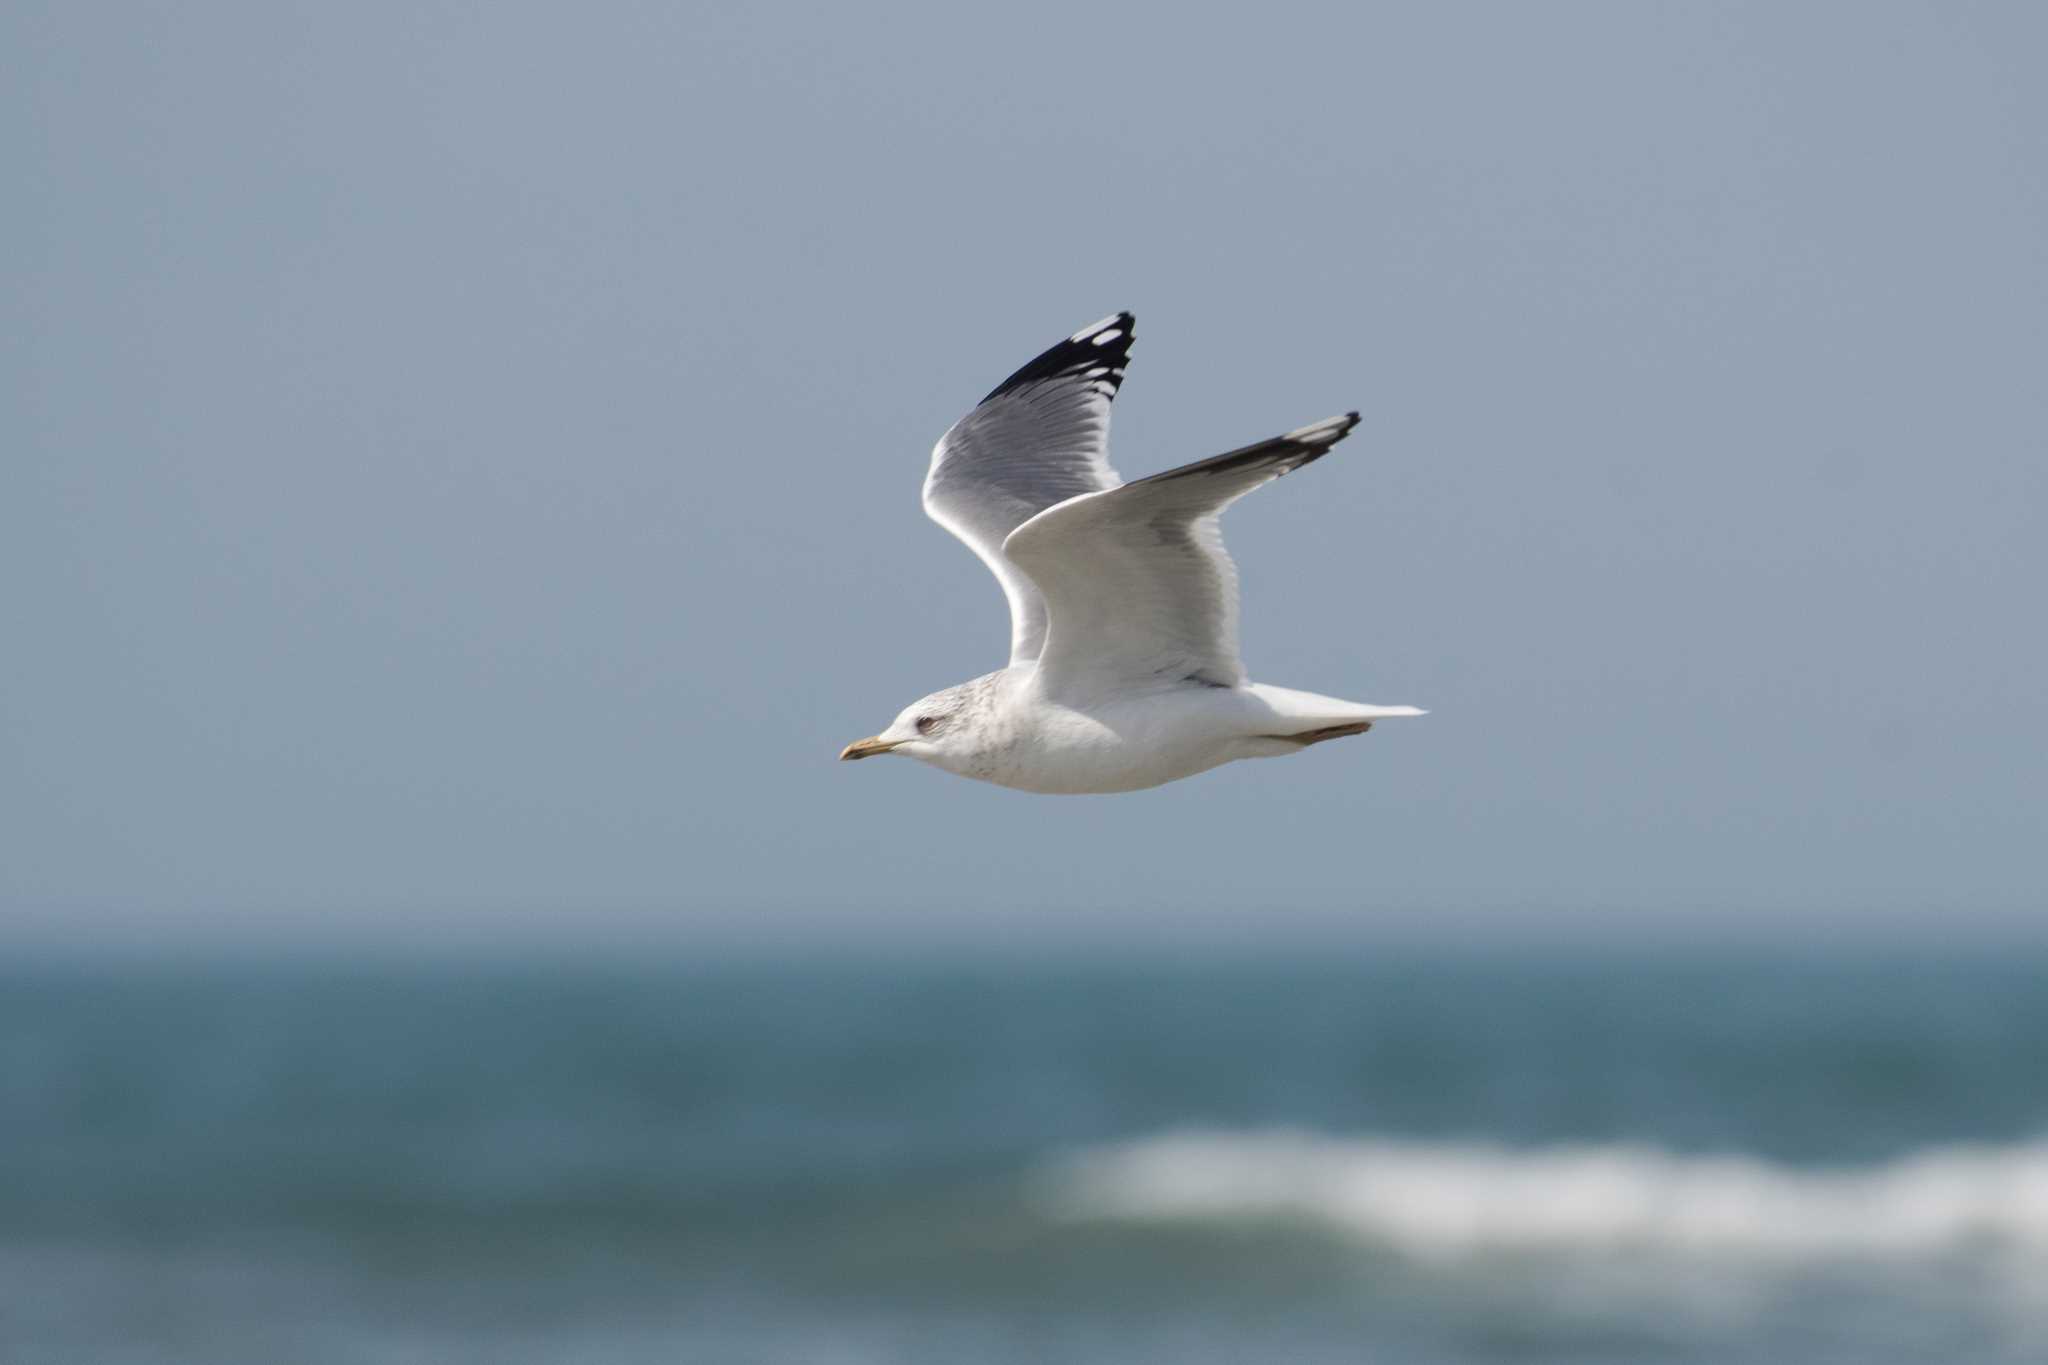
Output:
x=1124 y=669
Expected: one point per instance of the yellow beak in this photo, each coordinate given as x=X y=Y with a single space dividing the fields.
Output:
x=868 y=748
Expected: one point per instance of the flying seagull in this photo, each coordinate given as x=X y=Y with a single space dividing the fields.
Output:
x=1123 y=670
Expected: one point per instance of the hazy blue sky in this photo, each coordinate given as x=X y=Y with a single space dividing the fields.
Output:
x=459 y=464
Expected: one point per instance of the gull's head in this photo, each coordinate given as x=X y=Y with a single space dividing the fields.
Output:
x=930 y=728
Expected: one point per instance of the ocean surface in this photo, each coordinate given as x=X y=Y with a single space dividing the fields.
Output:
x=1358 y=1156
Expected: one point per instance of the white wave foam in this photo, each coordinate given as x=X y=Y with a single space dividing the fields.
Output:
x=1441 y=1201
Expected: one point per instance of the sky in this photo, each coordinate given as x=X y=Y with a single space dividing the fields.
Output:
x=459 y=464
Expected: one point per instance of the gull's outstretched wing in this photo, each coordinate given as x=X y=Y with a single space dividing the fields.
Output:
x=1137 y=584
x=1040 y=438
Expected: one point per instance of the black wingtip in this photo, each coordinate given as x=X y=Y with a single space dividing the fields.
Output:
x=1099 y=351
x=1327 y=432
x=1280 y=454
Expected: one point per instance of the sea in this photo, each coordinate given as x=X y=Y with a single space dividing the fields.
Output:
x=1353 y=1154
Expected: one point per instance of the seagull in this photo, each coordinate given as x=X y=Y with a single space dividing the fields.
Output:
x=1124 y=671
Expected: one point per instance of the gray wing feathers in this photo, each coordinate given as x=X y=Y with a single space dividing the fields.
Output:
x=1039 y=438
x=1135 y=579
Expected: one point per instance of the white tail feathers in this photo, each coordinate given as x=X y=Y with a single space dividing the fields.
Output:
x=1313 y=710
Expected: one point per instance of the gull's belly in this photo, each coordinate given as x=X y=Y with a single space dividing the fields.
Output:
x=1125 y=746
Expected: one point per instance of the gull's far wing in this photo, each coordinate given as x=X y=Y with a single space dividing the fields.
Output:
x=1137 y=585
x=1041 y=437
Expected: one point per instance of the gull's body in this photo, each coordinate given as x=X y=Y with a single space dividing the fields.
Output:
x=1124 y=669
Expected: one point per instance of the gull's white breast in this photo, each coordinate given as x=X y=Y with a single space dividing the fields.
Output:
x=1134 y=741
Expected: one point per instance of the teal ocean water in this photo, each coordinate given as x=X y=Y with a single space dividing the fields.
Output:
x=1356 y=1156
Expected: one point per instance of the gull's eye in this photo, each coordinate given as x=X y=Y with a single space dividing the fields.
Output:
x=927 y=724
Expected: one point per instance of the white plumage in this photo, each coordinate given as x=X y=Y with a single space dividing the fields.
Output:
x=1124 y=670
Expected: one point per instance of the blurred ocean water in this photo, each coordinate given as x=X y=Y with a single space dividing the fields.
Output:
x=1361 y=1156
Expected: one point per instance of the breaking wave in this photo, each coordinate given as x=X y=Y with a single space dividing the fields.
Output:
x=1444 y=1201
